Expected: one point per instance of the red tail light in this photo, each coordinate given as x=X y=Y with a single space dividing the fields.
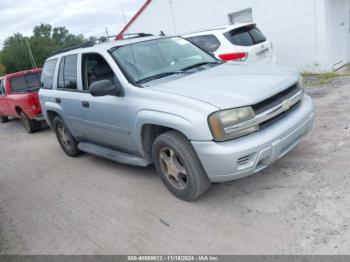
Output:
x=233 y=56
x=33 y=103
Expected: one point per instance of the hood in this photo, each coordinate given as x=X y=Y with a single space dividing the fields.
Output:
x=230 y=85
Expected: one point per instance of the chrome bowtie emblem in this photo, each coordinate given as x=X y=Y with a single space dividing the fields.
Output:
x=286 y=105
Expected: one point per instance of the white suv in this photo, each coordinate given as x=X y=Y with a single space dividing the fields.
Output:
x=238 y=42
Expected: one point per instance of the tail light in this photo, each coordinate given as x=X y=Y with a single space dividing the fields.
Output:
x=234 y=56
x=33 y=103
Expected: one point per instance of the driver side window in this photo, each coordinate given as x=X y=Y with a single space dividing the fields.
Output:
x=95 y=68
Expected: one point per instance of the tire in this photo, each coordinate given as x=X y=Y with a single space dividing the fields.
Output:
x=65 y=137
x=29 y=125
x=190 y=181
x=4 y=119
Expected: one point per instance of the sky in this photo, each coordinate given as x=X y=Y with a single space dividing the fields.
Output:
x=87 y=17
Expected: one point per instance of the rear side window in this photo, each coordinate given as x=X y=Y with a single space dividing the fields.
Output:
x=245 y=36
x=48 y=74
x=25 y=83
x=208 y=43
x=67 y=76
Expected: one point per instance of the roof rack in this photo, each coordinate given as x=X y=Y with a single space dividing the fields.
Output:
x=84 y=45
x=132 y=36
x=97 y=41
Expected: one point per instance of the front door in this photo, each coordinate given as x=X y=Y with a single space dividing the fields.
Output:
x=105 y=118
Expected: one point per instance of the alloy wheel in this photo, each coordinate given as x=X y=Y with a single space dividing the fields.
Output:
x=173 y=168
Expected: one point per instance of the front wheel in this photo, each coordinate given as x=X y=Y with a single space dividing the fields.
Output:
x=30 y=125
x=179 y=167
x=65 y=137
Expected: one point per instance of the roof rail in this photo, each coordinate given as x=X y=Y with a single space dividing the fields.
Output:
x=133 y=35
x=97 y=41
x=83 y=45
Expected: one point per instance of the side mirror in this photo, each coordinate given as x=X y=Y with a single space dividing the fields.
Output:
x=106 y=88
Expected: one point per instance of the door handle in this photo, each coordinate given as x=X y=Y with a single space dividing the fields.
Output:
x=58 y=100
x=86 y=104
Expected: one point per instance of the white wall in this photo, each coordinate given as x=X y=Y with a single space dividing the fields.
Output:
x=299 y=29
x=336 y=51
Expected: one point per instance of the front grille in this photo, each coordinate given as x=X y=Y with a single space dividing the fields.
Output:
x=274 y=120
x=276 y=99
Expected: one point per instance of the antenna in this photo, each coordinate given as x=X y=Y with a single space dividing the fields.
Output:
x=130 y=45
x=172 y=15
x=32 y=60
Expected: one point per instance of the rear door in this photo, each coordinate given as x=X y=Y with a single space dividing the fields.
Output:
x=67 y=95
x=249 y=39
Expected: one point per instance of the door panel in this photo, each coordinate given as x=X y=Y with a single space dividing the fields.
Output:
x=69 y=103
x=106 y=122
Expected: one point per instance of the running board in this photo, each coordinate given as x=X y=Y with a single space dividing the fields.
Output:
x=115 y=156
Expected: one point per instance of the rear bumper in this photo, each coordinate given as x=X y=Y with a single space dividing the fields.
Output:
x=39 y=118
x=35 y=114
x=246 y=156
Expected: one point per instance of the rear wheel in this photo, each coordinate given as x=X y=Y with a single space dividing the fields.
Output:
x=30 y=125
x=4 y=119
x=65 y=137
x=179 y=166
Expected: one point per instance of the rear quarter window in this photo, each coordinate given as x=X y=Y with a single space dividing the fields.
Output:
x=18 y=84
x=208 y=43
x=245 y=36
x=48 y=74
x=25 y=83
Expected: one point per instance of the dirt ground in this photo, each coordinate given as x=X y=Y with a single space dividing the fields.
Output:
x=53 y=204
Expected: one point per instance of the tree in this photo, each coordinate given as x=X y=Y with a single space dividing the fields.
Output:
x=44 y=41
x=2 y=70
x=43 y=30
x=15 y=56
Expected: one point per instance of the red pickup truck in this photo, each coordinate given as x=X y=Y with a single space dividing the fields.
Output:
x=19 y=98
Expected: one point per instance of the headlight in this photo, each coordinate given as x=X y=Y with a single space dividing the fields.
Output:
x=301 y=83
x=223 y=124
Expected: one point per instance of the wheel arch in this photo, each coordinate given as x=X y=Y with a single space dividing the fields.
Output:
x=149 y=125
x=18 y=110
x=50 y=111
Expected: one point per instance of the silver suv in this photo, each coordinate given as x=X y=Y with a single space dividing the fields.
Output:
x=164 y=101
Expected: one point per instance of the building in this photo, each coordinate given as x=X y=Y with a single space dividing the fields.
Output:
x=311 y=35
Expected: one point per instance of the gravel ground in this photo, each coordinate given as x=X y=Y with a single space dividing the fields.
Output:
x=53 y=204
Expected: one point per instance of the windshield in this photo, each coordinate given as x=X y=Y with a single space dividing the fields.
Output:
x=150 y=60
x=25 y=83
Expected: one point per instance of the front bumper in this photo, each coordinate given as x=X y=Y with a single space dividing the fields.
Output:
x=246 y=156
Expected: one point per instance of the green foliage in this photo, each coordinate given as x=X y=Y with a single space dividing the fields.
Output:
x=45 y=40
x=2 y=70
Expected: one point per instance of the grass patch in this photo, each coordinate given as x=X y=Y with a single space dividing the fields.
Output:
x=319 y=79
x=324 y=76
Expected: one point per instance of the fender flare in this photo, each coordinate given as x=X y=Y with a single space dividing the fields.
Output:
x=151 y=117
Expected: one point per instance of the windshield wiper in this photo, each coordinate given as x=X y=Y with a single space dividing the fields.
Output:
x=161 y=75
x=201 y=64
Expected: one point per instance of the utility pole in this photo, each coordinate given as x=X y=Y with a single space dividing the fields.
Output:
x=32 y=60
